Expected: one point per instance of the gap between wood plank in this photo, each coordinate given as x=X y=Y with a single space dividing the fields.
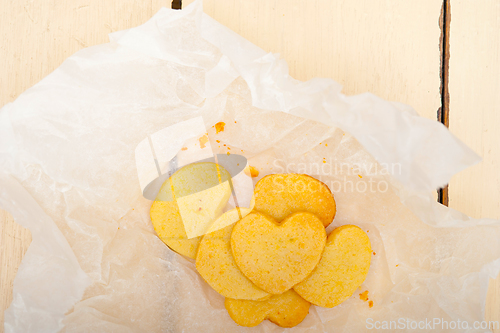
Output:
x=443 y=114
x=177 y=4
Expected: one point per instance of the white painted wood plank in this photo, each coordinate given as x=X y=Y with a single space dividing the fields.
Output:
x=474 y=76
x=390 y=48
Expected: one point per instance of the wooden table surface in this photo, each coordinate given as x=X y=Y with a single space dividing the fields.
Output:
x=392 y=48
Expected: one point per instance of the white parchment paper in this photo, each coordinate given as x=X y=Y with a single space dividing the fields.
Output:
x=68 y=173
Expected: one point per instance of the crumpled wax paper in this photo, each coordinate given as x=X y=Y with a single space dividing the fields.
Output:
x=95 y=264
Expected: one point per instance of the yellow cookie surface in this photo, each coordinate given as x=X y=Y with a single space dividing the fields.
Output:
x=275 y=256
x=168 y=225
x=216 y=264
x=285 y=310
x=280 y=195
x=184 y=187
x=342 y=269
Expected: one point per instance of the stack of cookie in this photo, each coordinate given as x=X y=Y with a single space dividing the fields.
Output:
x=276 y=260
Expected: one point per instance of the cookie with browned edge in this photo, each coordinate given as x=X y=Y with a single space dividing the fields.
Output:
x=279 y=195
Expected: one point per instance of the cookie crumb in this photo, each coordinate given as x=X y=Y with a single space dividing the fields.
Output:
x=252 y=171
x=203 y=140
x=219 y=127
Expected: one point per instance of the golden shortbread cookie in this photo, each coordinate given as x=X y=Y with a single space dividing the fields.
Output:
x=201 y=190
x=280 y=195
x=168 y=225
x=276 y=256
x=216 y=264
x=342 y=269
x=285 y=310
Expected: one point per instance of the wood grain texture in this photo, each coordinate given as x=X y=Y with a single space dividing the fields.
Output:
x=14 y=241
x=388 y=47
x=35 y=38
x=475 y=104
x=474 y=87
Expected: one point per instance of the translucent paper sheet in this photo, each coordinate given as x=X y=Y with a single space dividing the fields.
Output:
x=69 y=174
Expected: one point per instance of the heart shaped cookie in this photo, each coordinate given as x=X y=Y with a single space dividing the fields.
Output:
x=192 y=190
x=285 y=310
x=216 y=264
x=167 y=223
x=275 y=256
x=342 y=269
x=280 y=195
